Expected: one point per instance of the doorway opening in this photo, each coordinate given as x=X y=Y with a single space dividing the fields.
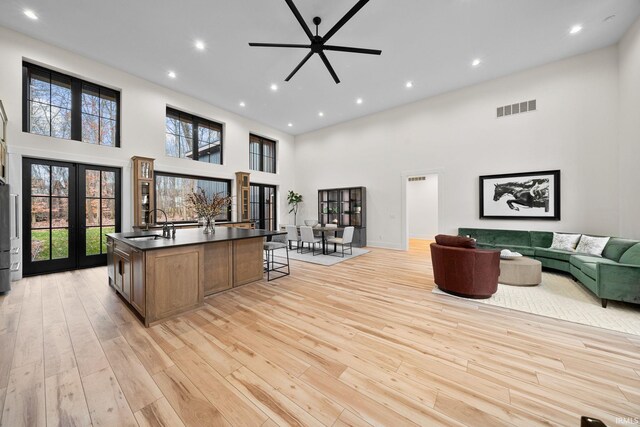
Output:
x=68 y=208
x=421 y=209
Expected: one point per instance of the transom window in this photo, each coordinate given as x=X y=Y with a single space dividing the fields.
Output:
x=192 y=137
x=172 y=191
x=66 y=107
x=262 y=154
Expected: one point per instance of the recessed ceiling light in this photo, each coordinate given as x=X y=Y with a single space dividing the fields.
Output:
x=359 y=101
x=476 y=62
x=171 y=75
x=290 y=124
x=575 y=29
x=409 y=85
x=321 y=114
x=242 y=104
x=274 y=87
x=30 y=14
x=199 y=45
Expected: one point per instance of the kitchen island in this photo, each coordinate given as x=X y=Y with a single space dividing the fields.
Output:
x=162 y=277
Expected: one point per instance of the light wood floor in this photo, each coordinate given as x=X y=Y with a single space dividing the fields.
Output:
x=362 y=343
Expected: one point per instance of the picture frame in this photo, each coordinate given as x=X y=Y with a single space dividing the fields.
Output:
x=524 y=195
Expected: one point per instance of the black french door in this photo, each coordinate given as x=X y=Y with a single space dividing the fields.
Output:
x=263 y=206
x=67 y=210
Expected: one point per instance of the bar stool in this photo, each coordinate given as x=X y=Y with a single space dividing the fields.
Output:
x=270 y=264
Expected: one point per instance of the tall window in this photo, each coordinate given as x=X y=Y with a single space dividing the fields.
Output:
x=172 y=193
x=191 y=137
x=262 y=154
x=66 y=107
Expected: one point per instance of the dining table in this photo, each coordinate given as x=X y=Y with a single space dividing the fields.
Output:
x=322 y=229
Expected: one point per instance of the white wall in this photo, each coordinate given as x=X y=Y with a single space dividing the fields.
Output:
x=422 y=208
x=574 y=130
x=629 y=54
x=143 y=107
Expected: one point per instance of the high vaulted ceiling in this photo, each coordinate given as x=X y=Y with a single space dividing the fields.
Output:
x=429 y=42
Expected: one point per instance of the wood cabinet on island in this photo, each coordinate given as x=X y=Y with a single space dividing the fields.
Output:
x=162 y=277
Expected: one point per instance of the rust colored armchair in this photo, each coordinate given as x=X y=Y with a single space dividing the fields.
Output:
x=462 y=270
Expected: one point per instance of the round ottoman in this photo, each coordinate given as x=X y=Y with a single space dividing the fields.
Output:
x=521 y=271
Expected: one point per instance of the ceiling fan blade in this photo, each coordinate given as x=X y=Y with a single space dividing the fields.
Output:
x=279 y=45
x=353 y=50
x=344 y=19
x=303 y=24
x=295 y=70
x=329 y=67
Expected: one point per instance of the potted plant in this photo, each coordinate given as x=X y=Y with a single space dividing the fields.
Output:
x=208 y=208
x=294 y=199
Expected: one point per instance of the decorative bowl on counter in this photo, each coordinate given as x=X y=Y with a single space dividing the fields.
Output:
x=310 y=222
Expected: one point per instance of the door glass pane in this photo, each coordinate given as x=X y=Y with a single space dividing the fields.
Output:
x=40 y=245
x=92 y=178
x=108 y=211
x=40 y=180
x=105 y=231
x=60 y=181
x=92 y=215
x=93 y=241
x=108 y=184
x=40 y=212
x=59 y=212
x=59 y=243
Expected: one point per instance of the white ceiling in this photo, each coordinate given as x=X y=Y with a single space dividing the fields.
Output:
x=430 y=42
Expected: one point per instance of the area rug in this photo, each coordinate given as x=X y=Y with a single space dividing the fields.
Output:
x=319 y=258
x=559 y=297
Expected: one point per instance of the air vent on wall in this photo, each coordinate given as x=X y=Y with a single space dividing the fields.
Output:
x=517 y=108
x=417 y=178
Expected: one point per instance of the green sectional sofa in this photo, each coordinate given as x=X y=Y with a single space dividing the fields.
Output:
x=613 y=276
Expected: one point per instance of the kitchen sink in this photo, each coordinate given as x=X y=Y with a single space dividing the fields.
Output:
x=146 y=237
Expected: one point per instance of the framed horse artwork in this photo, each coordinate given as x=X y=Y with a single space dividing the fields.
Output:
x=527 y=195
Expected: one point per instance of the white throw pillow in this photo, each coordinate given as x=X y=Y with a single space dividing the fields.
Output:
x=592 y=245
x=565 y=242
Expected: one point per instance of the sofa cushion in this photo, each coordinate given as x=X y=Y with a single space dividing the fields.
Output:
x=631 y=256
x=455 y=241
x=589 y=268
x=524 y=250
x=592 y=245
x=557 y=254
x=495 y=237
x=616 y=247
x=541 y=239
x=566 y=242
x=579 y=260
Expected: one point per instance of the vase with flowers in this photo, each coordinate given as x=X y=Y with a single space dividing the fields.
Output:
x=208 y=208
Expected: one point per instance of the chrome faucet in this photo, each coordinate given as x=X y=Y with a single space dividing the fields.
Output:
x=165 y=228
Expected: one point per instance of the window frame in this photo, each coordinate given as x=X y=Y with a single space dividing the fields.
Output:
x=77 y=86
x=261 y=142
x=195 y=121
x=196 y=177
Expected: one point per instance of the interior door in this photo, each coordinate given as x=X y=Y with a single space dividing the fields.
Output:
x=98 y=212
x=48 y=216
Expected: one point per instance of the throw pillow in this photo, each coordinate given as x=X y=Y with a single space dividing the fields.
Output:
x=592 y=245
x=456 y=241
x=565 y=242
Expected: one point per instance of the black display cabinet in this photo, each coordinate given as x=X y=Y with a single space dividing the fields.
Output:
x=345 y=207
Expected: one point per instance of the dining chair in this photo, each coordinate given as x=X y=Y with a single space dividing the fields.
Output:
x=292 y=236
x=344 y=241
x=327 y=232
x=306 y=236
x=270 y=264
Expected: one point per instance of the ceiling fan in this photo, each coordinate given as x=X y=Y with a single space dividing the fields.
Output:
x=318 y=42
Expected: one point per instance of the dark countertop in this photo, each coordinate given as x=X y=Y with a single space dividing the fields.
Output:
x=189 y=225
x=187 y=237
